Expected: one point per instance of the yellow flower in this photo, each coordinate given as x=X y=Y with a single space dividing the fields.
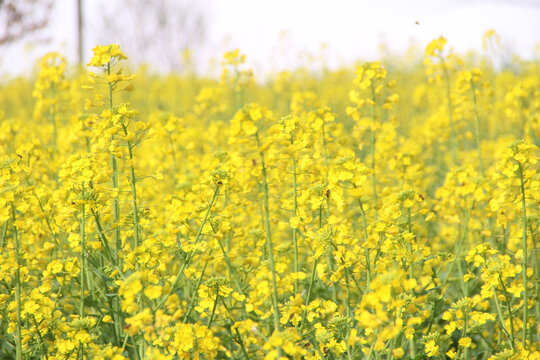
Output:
x=432 y=349
x=105 y=55
x=398 y=353
x=295 y=222
x=153 y=291
x=465 y=342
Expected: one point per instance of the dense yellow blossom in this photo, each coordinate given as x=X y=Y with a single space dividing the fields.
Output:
x=385 y=212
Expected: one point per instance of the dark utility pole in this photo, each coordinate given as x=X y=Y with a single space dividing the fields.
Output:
x=80 y=25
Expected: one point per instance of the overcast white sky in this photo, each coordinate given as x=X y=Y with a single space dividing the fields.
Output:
x=351 y=29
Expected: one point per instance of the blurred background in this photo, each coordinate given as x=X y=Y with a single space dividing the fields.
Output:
x=172 y=35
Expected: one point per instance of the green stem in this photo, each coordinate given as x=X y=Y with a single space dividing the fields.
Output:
x=458 y=248
x=311 y=281
x=348 y=292
x=329 y=257
x=509 y=307
x=18 y=336
x=103 y=238
x=197 y=286
x=536 y=268
x=465 y=326
x=232 y=271
x=47 y=221
x=114 y=166
x=372 y=149
x=41 y=340
x=213 y=310
x=238 y=339
x=266 y=208
x=409 y=245
x=135 y=349
x=188 y=260
x=116 y=312
x=241 y=343
x=80 y=352
x=294 y=232
x=83 y=258
x=314 y=268
x=477 y=128
x=412 y=343
x=4 y=234
x=412 y=348
x=372 y=347
x=524 y=263
x=453 y=139
x=133 y=181
x=364 y=225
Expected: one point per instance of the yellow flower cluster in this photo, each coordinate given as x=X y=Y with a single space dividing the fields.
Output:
x=105 y=55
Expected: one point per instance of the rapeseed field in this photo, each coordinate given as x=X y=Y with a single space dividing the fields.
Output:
x=383 y=212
